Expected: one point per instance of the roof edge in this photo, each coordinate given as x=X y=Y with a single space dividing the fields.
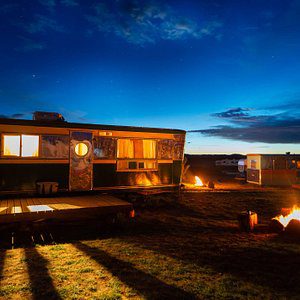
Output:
x=65 y=124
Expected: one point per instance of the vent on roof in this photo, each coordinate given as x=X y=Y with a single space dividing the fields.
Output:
x=47 y=116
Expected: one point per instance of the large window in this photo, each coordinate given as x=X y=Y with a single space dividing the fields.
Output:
x=21 y=145
x=125 y=148
x=136 y=155
x=135 y=148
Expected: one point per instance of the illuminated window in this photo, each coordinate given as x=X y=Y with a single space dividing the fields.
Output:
x=11 y=145
x=125 y=148
x=30 y=145
x=21 y=145
x=135 y=148
x=149 y=149
x=149 y=165
x=81 y=149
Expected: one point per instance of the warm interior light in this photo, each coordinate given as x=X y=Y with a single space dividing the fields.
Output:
x=81 y=149
x=136 y=148
x=30 y=145
x=198 y=181
x=11 y=145
x=142 y=179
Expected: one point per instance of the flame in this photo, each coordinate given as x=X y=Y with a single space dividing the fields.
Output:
x=294 y=214
x=198 y=181
x=142 y=179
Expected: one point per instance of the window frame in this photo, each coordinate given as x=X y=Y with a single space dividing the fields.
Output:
x=137 y=160
x=43 y=157
x=21 y=145
x=2 y=145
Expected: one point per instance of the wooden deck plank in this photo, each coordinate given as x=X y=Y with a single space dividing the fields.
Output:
x=10 y=206
x=95 y=201
x=37 y=201
x=63 y=203
x=36 y=205
x=115 y=200
x=30 y=209
x=30 y=201
x=23 y=203
x=17 y=209
x=82 y=201
x=3 y=206
x=104 y=199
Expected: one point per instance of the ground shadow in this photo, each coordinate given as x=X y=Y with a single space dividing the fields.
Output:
x=41 y=282
x=145 y=284
x=2 y=258
x=262 y=264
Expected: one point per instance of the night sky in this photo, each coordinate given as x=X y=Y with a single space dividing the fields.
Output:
x=227 y=70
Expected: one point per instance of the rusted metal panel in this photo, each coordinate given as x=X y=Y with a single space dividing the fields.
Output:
x=81 y=166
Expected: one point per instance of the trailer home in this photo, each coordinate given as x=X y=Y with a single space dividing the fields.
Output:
x=84 y=157
x=273 y=169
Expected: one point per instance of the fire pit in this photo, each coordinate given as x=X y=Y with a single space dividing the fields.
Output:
x=288 y=221
x=195 y=185
x=198 y=181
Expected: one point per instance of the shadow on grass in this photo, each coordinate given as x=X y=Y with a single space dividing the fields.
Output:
x=262 y=264
x=2 y=257
x=41 y=282
x=145 y=284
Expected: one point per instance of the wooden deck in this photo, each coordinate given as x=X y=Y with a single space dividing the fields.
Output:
x=32 y=209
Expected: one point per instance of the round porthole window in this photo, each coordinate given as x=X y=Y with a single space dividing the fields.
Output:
x=81 y=149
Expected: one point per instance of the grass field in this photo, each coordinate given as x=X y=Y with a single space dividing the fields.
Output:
x=184 y=250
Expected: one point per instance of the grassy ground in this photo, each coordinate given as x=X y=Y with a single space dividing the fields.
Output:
x=189 y=249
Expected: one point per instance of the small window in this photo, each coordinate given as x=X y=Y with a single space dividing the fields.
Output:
x=81 y=149
x=11 y=145
x=132 y=165
x=30 y=145
x=124 y=165
x=150 y=165
x=253 y=164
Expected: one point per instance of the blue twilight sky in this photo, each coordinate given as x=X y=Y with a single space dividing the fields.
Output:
x=229 y=71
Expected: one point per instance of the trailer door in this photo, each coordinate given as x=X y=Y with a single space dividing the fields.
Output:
x=81 y=161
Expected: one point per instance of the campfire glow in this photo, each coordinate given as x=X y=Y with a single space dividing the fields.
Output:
x=293 y=215
x=198 y=181
x=142 y=179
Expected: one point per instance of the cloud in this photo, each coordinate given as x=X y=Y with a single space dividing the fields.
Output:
x=233 y=113
x=42 y=24
x=290 y=103
x=283 y=128
x=15 y=116
x=49 y=4
x=7 y=8
x=69 y=3
x=142 y=24
x=28 y=45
